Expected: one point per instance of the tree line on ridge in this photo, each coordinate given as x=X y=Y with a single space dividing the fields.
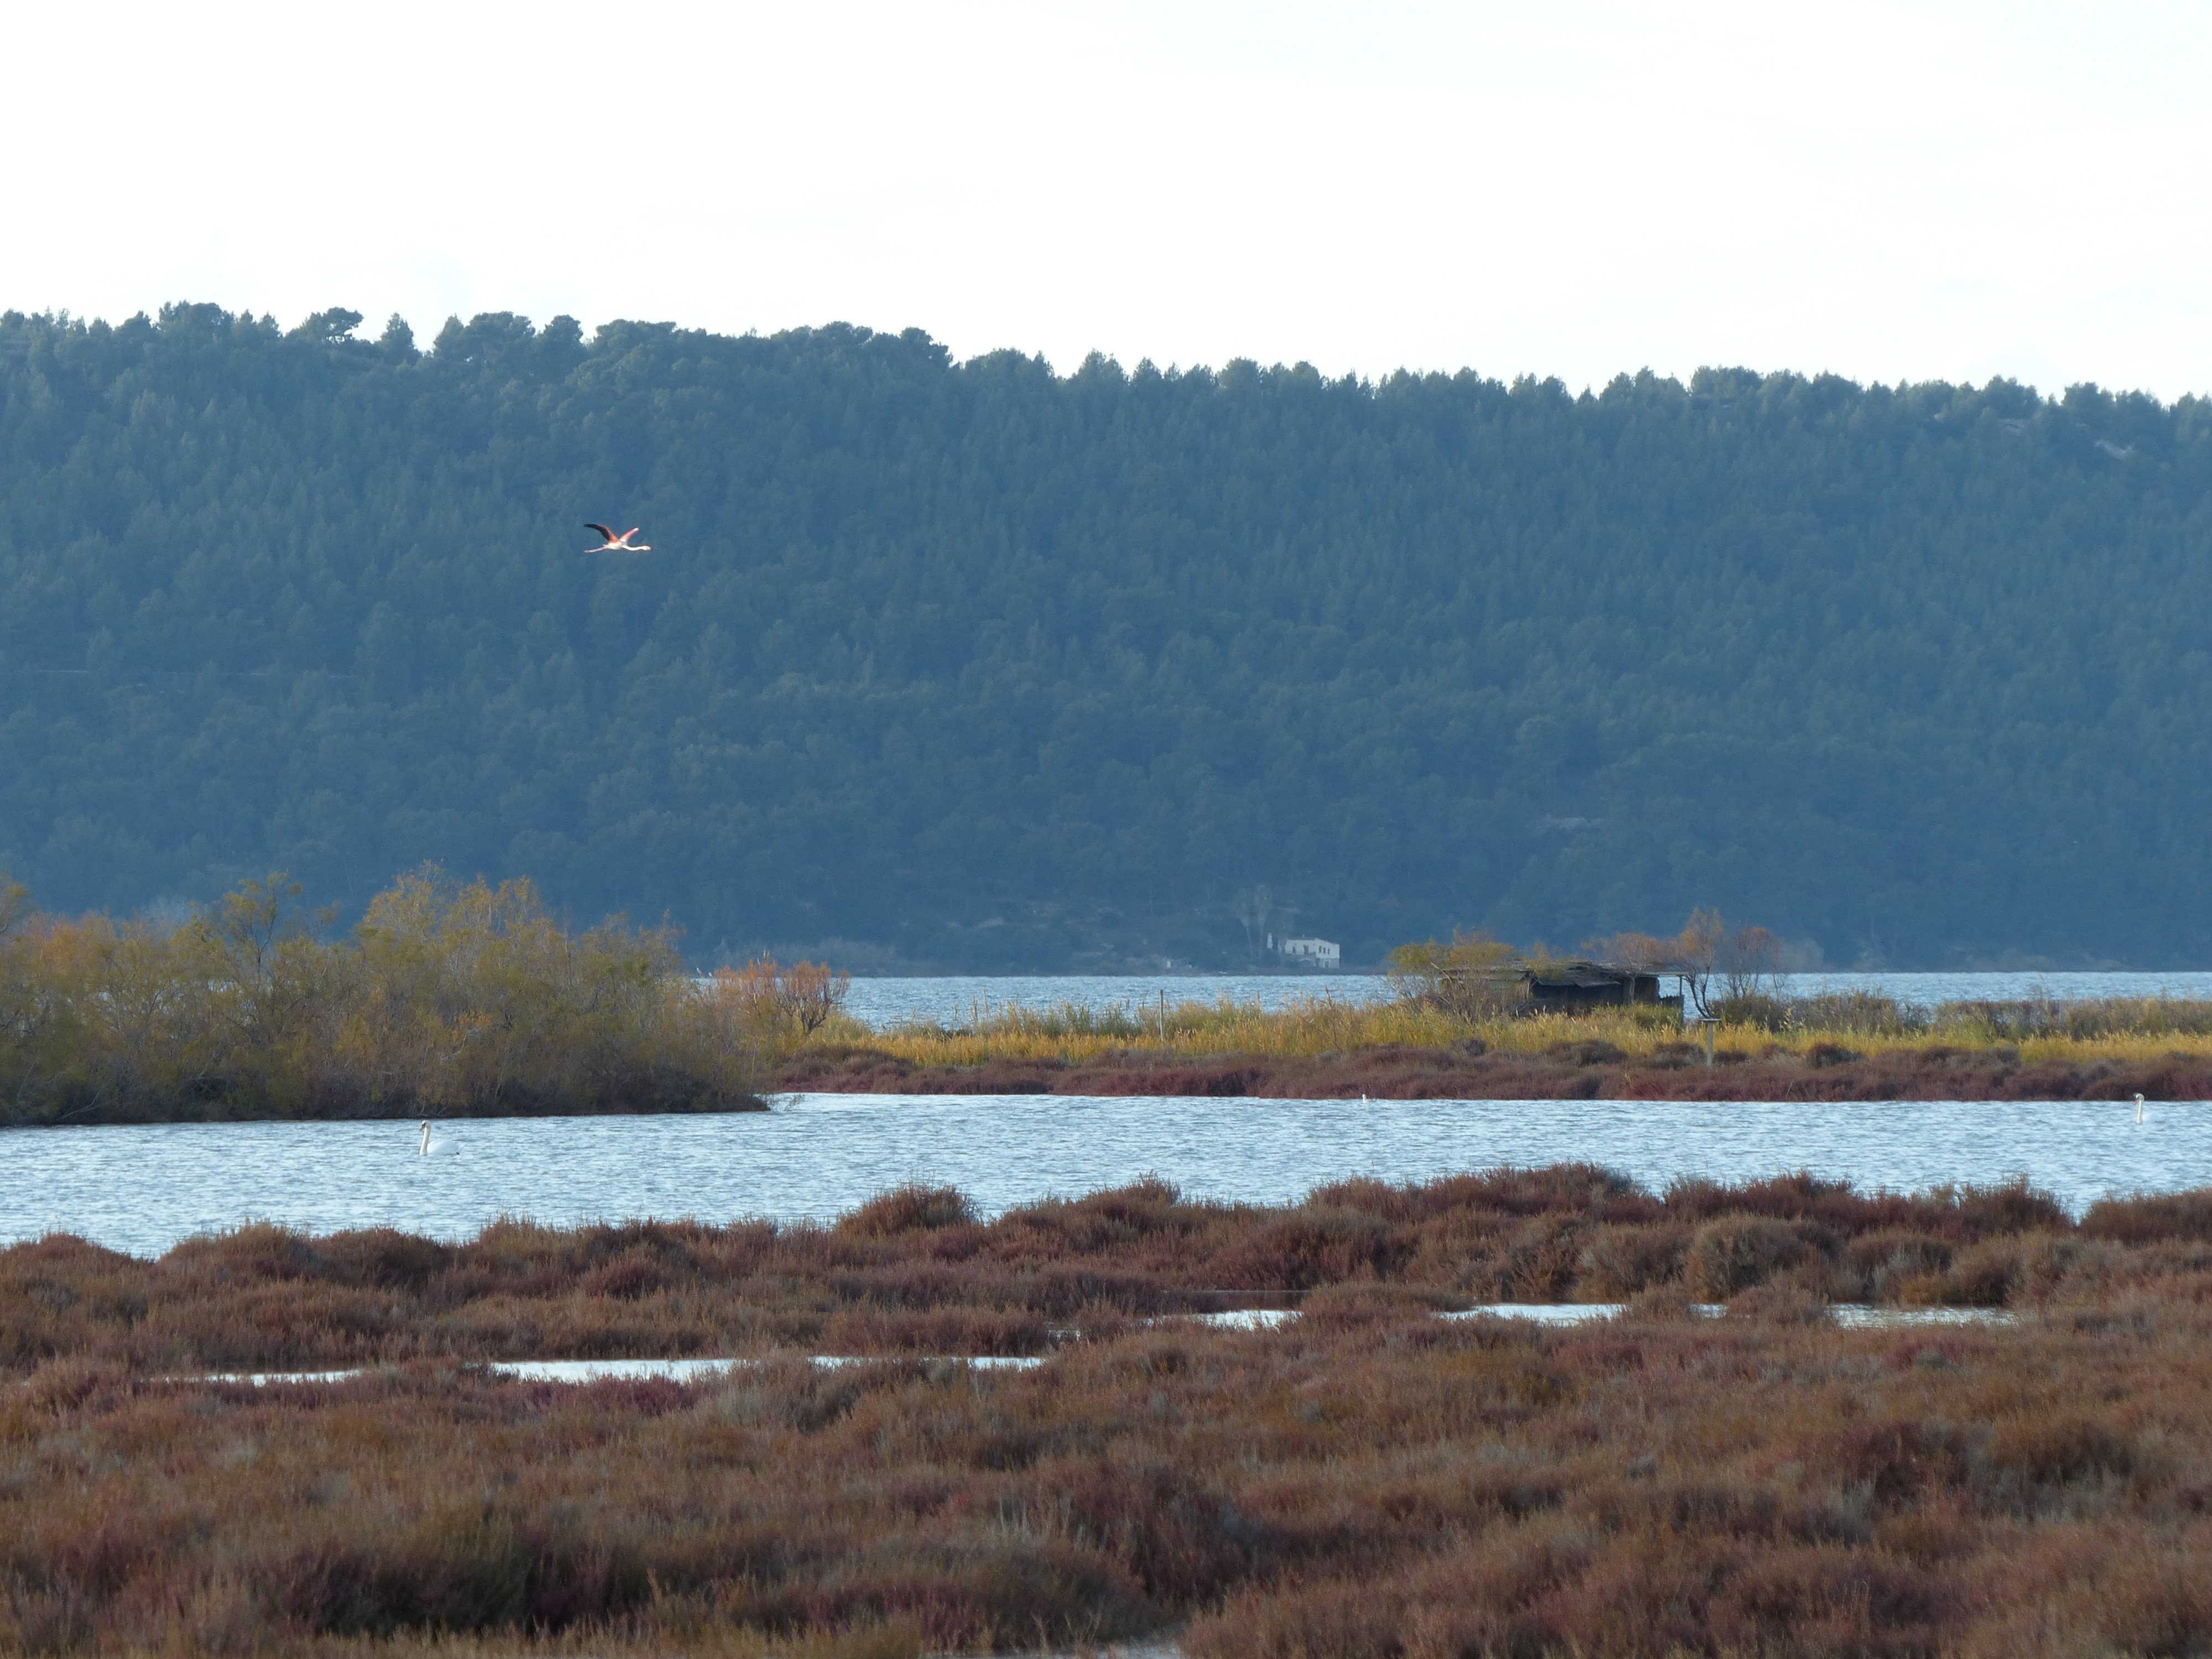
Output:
x=974 y=665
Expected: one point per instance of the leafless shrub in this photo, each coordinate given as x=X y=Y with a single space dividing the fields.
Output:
x=1473 y=977
x=800 y=999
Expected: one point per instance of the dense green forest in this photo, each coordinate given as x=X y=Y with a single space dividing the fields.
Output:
x=973 y=664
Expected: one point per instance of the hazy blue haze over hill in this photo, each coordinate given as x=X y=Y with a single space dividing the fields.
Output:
x=987 y=668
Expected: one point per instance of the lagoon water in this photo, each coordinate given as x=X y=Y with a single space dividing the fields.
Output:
x=142 y=1188
x=953 y=1001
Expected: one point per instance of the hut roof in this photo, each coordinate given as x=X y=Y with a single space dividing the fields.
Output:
x=1589 y=975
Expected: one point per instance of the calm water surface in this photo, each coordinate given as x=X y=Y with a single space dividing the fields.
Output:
x=954 y=1001
x=142 y=1188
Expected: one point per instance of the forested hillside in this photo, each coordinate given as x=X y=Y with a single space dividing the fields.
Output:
x=971 y=665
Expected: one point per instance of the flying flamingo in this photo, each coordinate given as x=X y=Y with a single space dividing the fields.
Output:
x=615 y=543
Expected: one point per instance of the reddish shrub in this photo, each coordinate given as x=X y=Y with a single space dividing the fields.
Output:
x=385 y=1258
x=630 y=1275
x=256 y=1250
x=909 y=1208
x=1585 y=1051
x=2060 y=1447
x=1538 y=1262
x=1984 y=1275
x=1885 y=1260
x=1588 y=1189
x=1618 y=1262
x=1820 y=1599
x=2145 y=1217
x=1784 y=1301
x=1735 y=1253
x=1311 y=1246
x=1364 y=1195
x=2013 y=1206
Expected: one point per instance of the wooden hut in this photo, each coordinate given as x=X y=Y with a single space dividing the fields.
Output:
x=1568 y=985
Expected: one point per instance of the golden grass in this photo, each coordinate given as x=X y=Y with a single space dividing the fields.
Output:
x=1320 y=1026
x=1067 y=1032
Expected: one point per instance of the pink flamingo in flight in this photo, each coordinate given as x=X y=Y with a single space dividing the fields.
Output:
x=615 y=543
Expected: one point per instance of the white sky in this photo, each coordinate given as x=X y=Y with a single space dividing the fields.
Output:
x=1891 y=192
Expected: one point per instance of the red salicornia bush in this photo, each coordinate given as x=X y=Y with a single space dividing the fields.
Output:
x=886 y=1276
x=1370 y=1479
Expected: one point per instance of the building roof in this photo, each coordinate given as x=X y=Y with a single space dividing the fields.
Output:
x=1588 y=976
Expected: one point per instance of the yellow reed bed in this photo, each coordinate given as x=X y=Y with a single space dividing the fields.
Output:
x=1322 y=1026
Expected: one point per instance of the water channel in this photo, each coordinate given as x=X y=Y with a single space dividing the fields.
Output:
x=141 y=1189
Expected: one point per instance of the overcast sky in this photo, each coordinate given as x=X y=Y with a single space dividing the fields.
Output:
x=1889 y=192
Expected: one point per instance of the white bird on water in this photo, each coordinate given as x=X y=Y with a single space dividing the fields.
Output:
x=430 y=1148
x=614 y=544
x=2139 y=1108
